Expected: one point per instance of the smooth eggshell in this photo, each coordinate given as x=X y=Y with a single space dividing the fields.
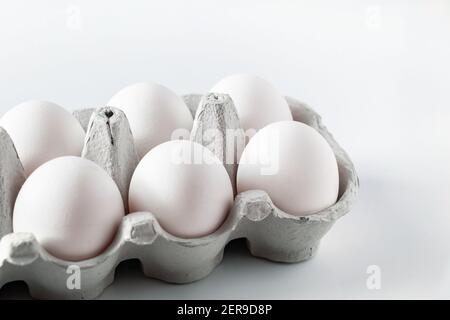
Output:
x=72 y=206
x=258 y=103
x=154 y=113
x=294 y=164
x=190 y=198
x=42 y=131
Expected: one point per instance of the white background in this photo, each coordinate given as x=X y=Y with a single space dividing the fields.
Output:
x=377 y=71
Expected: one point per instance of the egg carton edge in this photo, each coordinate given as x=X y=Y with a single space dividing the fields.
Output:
x=270 y=233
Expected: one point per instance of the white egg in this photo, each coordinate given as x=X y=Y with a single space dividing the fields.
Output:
x=257 y=102
x=154 y=113
x=294 y=164
x=42 y=131
x=185 y=186
x=72 y=206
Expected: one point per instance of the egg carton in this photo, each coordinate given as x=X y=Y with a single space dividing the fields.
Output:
x=270 y=233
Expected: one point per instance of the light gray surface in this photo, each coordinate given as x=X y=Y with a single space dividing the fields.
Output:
x=377 y=71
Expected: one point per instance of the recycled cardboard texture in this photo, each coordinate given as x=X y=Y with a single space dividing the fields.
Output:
x=216 y=126
x=12 y=177
x=270 y=233
x=109 y=143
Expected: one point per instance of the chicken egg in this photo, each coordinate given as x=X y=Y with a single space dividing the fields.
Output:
x=72 y=206
x=42 y=131
x=185 y=186
x=258 y=103
x=154 y=113
x=294 y=164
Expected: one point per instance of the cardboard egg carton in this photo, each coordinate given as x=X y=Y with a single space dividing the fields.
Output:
x=270 y=233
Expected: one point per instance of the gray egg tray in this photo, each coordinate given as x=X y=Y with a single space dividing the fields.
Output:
x=270 y=233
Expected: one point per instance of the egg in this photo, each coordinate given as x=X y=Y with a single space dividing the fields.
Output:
x=294 y=164
x=258 y=103
x=185 y=186
x=42 y=131
x=154 y=113
x=72 y=206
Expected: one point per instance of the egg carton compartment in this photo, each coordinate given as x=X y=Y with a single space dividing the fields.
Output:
x=270 y=233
